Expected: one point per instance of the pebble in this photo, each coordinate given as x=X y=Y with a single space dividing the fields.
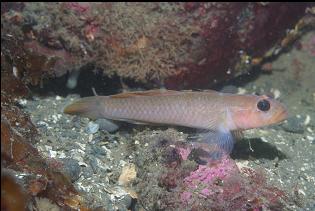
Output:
x=126 y=202
x=22 y=102
x=294 y=125
x=307 y=120
x=276 y=93
x=241 y=91
x=94 y=165
x=92 y=128
x=52 y=153
x=98 y=151
x=107 y=125
x=71 y=168
x=58 y=97
x=107 y=204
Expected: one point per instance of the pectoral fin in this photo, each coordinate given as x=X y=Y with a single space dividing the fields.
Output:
x=215 y=143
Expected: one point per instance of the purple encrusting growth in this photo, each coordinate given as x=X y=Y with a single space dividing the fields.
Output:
x=206 y=175
x=218 y=185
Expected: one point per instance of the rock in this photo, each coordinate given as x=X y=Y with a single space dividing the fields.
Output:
x=126 y=201
x=72 y=168
x=92 y=127
x=294 y=125
x=107 y=125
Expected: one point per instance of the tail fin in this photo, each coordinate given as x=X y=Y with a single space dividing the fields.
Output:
x=90 y=107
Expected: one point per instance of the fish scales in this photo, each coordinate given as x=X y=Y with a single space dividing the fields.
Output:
x=186 y=109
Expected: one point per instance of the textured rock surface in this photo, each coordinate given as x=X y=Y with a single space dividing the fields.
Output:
x=178 y=45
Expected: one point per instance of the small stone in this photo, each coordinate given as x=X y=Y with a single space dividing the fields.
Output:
x=310 y=138
x=88 y=173
x=98 y=151
x=307 y=120
x=94 y=165
x=52 y=153
x=241 y=91
x=92 y=127
x=107 y=203
x=127 y=175
x=126 y=201
x=58 y=97
x=71 y=168
x=294 y=125
x=22 y=102
x=276 y=93
x=107 y=125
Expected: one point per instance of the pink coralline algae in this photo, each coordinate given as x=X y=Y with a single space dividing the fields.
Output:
x=182 y=176
x=221 y=185
x=208 y=174
x=184 y=153
x=200 y=181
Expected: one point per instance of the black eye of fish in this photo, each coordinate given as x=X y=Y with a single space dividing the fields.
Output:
x=263 y=105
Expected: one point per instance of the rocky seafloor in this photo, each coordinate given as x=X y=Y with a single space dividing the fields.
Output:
x=95 y=159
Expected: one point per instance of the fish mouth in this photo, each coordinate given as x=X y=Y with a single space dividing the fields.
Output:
x=281 y=116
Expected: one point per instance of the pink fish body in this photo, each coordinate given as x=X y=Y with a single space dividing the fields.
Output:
x=209 y=110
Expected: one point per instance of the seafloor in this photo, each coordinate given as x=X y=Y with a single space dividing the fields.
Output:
x=95 y=158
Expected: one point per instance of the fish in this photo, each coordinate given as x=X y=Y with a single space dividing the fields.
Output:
x=220 y=115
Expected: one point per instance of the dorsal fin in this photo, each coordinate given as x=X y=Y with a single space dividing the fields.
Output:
x=155 y=92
